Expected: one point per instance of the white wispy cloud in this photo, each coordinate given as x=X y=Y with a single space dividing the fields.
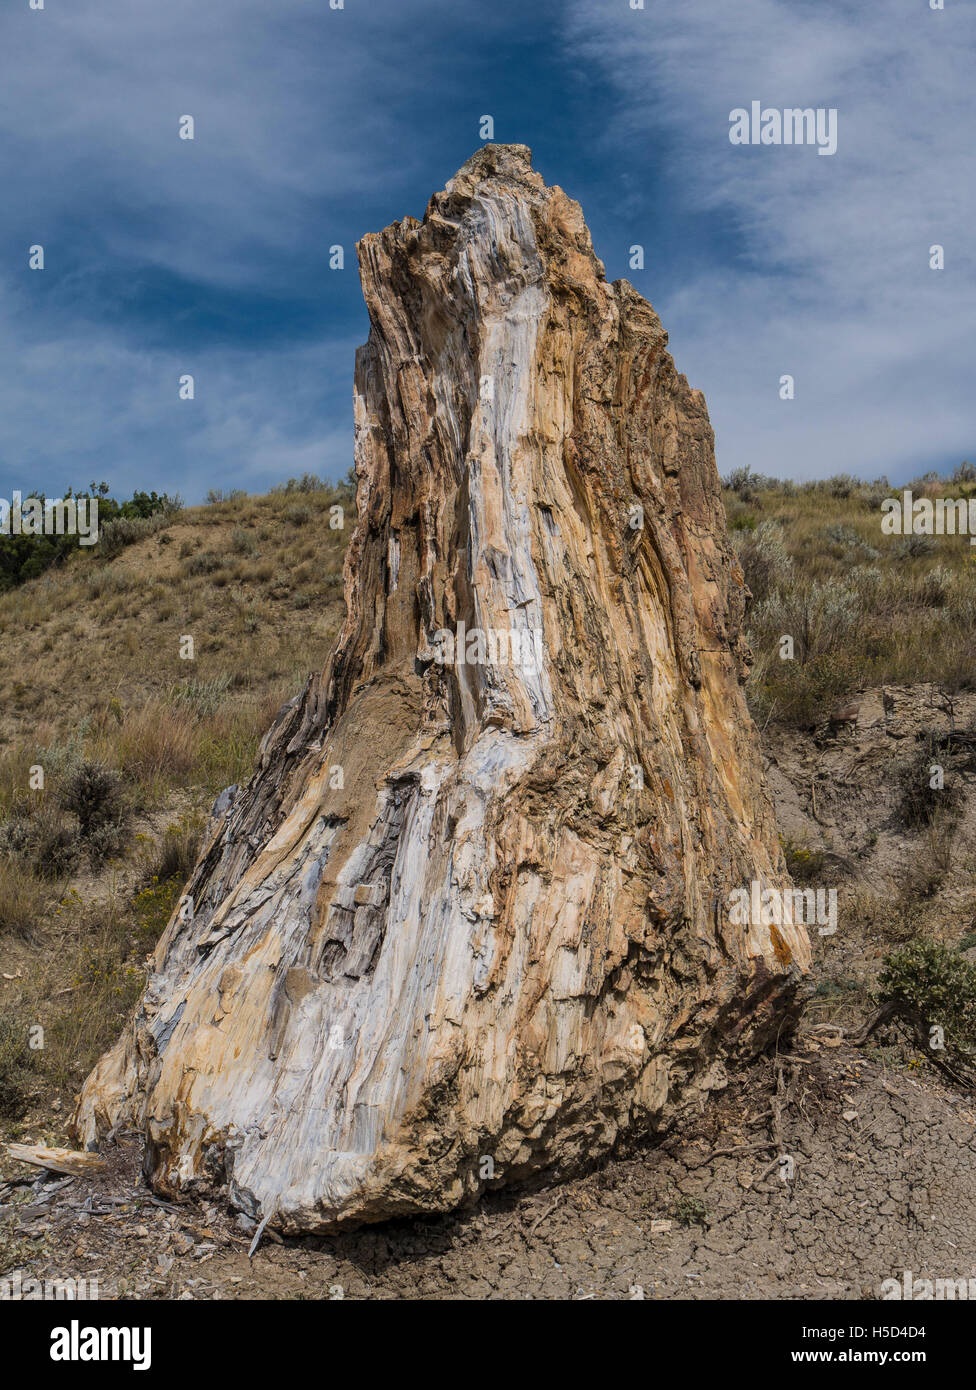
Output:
x=167 y=256
x=826 y=277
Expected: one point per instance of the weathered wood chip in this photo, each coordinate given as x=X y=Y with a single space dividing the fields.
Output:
x=70 y=1161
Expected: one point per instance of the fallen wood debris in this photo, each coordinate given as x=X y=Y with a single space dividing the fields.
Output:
x=71 y=1161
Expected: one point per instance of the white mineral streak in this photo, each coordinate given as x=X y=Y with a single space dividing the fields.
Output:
x=488 y=939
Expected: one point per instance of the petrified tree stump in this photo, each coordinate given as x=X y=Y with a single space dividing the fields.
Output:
x=467 y=921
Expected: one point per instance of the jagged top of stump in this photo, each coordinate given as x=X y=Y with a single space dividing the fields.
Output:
x=506 y=171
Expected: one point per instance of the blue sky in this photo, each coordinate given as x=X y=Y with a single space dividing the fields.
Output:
x=314 y=125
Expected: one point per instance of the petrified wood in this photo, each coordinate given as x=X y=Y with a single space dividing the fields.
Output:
x=467 y=921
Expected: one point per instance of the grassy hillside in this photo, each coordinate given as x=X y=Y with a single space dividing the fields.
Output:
x=134 y=741
x=864 y=609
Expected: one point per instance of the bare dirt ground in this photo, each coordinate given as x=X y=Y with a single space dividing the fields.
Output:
x=881 y=1183
x=881 y=1153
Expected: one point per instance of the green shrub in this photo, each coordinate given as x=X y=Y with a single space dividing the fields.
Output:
x=765 y=561
x=933 y=589
x=203 y=562
x=919 y=801
x=217 y=495
x=243 y=542
x=115 y=535
x=911 y=547
x=93 y=792
x=935 y=987
x=176 y=855
x=848 y=545
x=308 y=482
x=842 y=485
x=803 y=864
x=36 y=834
x=24 y=557
x=688 y=1211
x=820 y=617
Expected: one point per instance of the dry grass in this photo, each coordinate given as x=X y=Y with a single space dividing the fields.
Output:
x=863 y=609
x=25 y=899
x=100 y=645
x=94 y=674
